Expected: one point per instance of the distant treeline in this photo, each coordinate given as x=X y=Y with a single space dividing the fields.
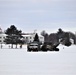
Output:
x=14 y=36
x=65 y=38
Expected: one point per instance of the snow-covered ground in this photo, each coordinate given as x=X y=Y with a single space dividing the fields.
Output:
x=20 y=62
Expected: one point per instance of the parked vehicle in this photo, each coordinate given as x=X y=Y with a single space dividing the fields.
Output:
x=37 y=46
x=34 y=46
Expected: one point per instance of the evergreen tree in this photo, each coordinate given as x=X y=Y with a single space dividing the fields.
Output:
x=14 y=36
x=60 y=33
x=36 y=38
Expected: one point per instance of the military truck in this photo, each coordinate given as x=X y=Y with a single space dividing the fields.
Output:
x=34 y=46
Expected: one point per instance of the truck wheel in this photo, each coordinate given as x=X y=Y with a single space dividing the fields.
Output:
x=29 y=50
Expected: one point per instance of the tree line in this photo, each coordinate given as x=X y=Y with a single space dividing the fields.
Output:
x=59 y=37
x=14 y=36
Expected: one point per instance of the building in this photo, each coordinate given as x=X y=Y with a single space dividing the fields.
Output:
x=2 y=36
x=29 y=37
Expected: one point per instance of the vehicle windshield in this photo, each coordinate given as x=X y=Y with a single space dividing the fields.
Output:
x=33 y=44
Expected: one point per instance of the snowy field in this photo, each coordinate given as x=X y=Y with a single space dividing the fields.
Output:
x=20 y=62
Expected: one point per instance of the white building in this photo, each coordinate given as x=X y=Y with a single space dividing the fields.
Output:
x=2 y=36
x=29 y=37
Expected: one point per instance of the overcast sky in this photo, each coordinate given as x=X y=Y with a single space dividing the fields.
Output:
x=29 y=15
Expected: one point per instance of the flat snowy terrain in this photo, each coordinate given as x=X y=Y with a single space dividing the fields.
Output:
x=21 y=62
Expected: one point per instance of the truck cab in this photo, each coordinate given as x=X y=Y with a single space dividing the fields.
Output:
x=34 y=46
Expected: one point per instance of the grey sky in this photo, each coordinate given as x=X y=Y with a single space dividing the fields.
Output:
x=29 y=15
